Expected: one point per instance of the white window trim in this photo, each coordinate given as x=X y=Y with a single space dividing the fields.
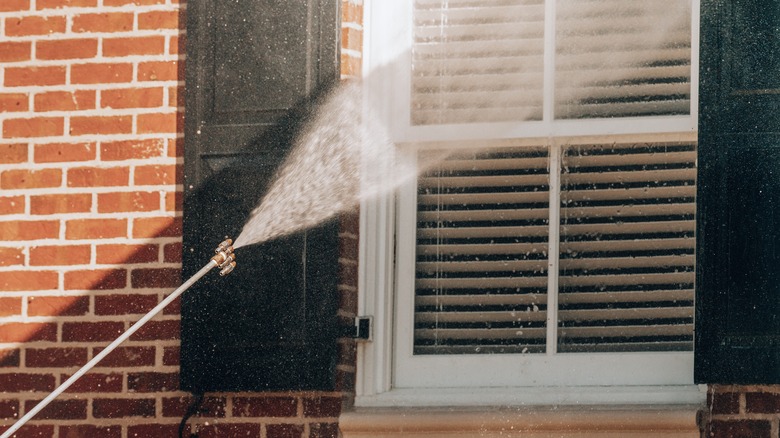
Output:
x=378 y=276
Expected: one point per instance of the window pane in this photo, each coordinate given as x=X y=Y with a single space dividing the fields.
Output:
x=482 y=233
x=618 y=58
x=477 y=61
x=627 y=248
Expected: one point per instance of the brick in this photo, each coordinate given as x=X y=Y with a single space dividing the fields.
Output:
x=176 y=147
x=10 y=256
x=11 y=205
x=58 y=4
x=128 y=202
x=284 y=431
x=350 y=66
x=121 y=408
x=9 y=357
x=98 y=176
x=55 y=357
x=271 y=406
x=154 y=430
x=152 y=382
x=229 y=430
x=132 y=98
x=105 y=22
x=101 y=73
x=156 y=20
x=322 y=406
x=9 y=409
x=34 y=25
x=86 y=430
x=124 y=304
x=64 y=100
x=77 y=48
x=31 y=76
x=60 y=255
x=29 y=230
x=126 y=253
x=172 y=252
x=157 y=227
x=14 y=102
x=158 y=330
x=13 y=153
x=176 y=97
x=172 y=357
x=96 y=279
x=64 y=203
x=10 y=306
x=95 y=228
x=24 y=382
x=144 y=278
x=177 y=44
x=89 y=125
x=33 y=431
x=28 y=332
x=57 y=306
x=12 y=51
x=129 y=150
x=34 y=127
x=60 y=410
x=128 y=46
x=30 y=179
x=157 y=175
x=14 y=5
x=174 y=308
x=123 y=357
x=174 y=201
x=92 y=331
x=351 y=12
x=132 y=2
x=351 y=38
x=762 y=402
x=64 y=152
x=739 y=429
x=324 y=430
x=160 y=123
x=161 y=71
x=95 y=382
x=28 y=280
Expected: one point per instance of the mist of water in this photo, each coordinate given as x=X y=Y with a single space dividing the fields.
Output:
x=322 y=176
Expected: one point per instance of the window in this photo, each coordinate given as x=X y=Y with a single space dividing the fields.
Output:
x=554 y=245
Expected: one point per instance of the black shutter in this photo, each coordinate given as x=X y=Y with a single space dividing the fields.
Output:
x=738 y=233
x=254 y=68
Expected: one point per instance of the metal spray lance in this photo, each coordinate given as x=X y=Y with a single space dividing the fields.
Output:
x=224 y=260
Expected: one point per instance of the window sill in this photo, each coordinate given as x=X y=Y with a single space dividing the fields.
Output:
x=671 y=421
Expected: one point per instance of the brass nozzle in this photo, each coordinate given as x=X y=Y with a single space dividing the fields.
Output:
x=225 y=258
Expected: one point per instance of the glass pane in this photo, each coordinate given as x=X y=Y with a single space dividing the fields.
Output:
x=477 y=61
x=627 y=248
x=619 y=58
x=482 y=233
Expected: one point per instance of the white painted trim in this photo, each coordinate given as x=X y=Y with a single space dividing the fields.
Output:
x=553 y=247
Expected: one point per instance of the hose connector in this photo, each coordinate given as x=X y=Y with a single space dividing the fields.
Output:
x=225 y=258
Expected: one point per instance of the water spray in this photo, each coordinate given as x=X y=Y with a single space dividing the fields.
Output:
x=224 y=259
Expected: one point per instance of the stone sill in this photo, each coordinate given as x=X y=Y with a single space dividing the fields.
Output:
x=533 y=422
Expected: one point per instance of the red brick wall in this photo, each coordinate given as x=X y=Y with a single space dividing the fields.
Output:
x=91 y=113
x=742 y=412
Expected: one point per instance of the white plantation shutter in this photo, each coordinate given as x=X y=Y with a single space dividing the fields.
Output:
x=627 y=248
x=618 y=58
x=477 y=61
x=482 y=232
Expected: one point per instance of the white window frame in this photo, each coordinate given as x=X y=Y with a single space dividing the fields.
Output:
x=387 y=372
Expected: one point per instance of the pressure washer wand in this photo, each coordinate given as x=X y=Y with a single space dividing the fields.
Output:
x=225 y=260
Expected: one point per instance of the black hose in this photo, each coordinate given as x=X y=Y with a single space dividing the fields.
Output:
x=191 y=410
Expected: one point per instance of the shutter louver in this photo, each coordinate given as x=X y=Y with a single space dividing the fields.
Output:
x=627 y=248
x=619 y=58
x=481 y=283
x=477 y=61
